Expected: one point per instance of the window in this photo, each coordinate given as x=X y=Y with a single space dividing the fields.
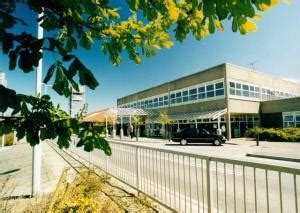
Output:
x=192 y=94
x=246 y=90
x=173 y=100
x=219 y=89
x=185 y=96
x=219 y=85
x=219 y=92
x=155 y=102
x=201 y=93
x=166 y=101
x=210 y=91
x=160 y=101
x=178 y=97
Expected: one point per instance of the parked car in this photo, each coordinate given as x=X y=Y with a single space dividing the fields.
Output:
x=193 y=135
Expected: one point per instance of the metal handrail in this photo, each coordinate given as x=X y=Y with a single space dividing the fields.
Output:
x=289 y=170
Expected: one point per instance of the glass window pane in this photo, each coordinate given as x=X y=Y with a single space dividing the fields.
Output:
x=232 y=91
x=185 y=93
x=219 y=85
x=173 y=95
x=210 y=87
x=201 y=96
x=239 y=86
x=166 y=97
x=246 y=93
x=160 y=99
x=251 y=88
x=178 y=94
x=201 y=89
x=245 y=87
x=178 y=100
x=288 y=118
x=256 y=89
x=219 y=92
x=232 y=84
x=193 y=97
x=185 y=98
x=166 y=103
x=193 y=91
x=298 y=118
x=155 y=100
x=210 y=94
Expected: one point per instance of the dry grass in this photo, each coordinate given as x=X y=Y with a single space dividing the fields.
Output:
x=87 y=191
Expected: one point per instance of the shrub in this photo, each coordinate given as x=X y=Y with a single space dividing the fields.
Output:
x=271 y=134
x=8 y=139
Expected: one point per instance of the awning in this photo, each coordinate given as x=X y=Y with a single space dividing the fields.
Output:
x=212 y=114
x=112 y=113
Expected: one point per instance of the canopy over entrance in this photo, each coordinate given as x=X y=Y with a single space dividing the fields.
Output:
x=110 y=114
x=212 y=114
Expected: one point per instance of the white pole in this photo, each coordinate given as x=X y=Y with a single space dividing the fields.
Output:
x=2 y=141
x=121 y=130
x=106 y=130
x=37 y=154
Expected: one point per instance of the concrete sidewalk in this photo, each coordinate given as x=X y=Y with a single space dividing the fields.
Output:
x=16 y=170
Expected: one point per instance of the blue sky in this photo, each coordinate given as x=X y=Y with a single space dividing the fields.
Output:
x=275 y=47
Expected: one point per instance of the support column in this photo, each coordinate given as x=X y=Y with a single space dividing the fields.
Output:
x=228 y=126
x=2 y=143
x=36 y=150
x=106 y=129
x=114 y=128
x=178 y=129
x=121 y=130
x=196 y=123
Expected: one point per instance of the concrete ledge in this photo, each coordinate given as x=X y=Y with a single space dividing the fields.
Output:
x=268 y=156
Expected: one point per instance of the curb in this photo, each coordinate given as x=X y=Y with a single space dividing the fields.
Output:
x=297 y=160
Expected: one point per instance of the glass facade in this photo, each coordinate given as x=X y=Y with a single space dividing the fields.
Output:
x=251 y=91
x=201 y=92
x=291 y=119
x=210 y=91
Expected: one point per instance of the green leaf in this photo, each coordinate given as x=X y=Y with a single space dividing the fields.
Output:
x=7 y=42
x=12 y=60
x=50 y=73
x=25 y=61
x=61 y=85
x=211 y=25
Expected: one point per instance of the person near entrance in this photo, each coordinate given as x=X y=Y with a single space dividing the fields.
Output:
x=130 y=129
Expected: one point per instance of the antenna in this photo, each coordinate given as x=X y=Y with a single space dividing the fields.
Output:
x=252 y=64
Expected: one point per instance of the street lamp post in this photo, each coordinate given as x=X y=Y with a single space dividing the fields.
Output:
x=37 y=152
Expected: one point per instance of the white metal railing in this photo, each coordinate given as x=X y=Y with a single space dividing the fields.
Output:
x=197 y=183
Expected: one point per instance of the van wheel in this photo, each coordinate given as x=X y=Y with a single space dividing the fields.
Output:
x=217 y=142
x=183 y=142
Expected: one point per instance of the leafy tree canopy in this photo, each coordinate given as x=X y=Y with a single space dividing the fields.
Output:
x=83 y=23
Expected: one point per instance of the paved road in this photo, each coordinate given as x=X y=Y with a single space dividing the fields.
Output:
x=181 y=182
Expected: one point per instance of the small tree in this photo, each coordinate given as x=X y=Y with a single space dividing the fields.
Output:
x=137 y=121
x=165 y=121
x=75 y=24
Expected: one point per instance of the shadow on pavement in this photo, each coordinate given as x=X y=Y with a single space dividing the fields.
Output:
x=10 y=171
x=190 y=144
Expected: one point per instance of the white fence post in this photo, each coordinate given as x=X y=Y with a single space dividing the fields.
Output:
x=137 y=164
x=208 y=176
